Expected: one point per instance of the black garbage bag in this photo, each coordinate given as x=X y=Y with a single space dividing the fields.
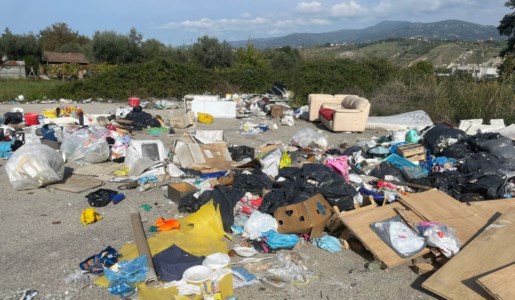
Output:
x=457 y=151
x=100 y=197
x=500 y=146
x=482 y=163
x=449 y=182
x=253 y=183
x=339 y=193
x=488 y=186
x=190 y=204
x=435 y=138
x=385 y=168
x=13 y=118
x=141 y=119
x=273 y=200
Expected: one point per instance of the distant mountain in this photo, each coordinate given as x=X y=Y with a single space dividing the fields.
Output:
x=443 y=30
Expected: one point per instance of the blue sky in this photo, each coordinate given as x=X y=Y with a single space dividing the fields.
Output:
x=178 y=22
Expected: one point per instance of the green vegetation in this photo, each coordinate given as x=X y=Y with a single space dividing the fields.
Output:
x=30 y=89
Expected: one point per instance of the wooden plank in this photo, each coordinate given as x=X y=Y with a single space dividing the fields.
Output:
x=435 y=205
x=500 y=283
x=77 y=184
x=358 y=224
x=493 y=248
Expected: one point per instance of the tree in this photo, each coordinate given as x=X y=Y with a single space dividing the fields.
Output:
x=507 y=28
x=20 y=47
x=250 y=57
x=134 y=53
x=109 y=47
x=60 y=34
x=210 y=53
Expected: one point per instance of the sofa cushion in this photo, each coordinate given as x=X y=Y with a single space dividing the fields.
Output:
x=355 y=102
x=327 y=113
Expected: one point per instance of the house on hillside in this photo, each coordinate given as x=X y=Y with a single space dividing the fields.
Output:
x=12 y=69
x=63 y=65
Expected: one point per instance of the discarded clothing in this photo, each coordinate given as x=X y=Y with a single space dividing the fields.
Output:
x=171 y=263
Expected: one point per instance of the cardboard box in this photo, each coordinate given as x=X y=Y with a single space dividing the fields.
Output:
x=178 y=190
x=183 y=121
x=309 y=216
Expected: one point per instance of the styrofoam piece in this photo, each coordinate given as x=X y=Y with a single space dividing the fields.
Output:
x=218 y=109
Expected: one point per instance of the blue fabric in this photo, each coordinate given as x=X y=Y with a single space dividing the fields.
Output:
x=5 y=149
x=276 y=240
x=329 y=243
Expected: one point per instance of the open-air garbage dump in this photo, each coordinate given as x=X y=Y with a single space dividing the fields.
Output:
x=247 y=197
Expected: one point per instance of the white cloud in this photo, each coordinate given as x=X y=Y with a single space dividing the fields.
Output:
x=348 y=9
x=242 y=24
x=309 y=7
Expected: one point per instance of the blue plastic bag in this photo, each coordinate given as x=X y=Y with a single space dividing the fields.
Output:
x=123 y=283
x=276 y=240
x=329 y=243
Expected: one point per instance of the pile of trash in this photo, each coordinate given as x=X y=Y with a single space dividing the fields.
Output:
x=267 y=199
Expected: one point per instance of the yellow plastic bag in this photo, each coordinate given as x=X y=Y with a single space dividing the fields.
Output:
x=89 y=215
x=205 y=118
x=285 y=160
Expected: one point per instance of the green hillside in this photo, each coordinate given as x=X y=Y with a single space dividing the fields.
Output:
x=406 y=52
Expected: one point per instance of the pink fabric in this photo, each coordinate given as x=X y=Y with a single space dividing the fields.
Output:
x=339 y=165
x=327 y=113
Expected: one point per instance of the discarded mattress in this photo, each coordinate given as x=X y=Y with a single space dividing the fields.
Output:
x=418 y=119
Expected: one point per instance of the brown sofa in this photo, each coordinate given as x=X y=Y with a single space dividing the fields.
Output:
x=341 y=112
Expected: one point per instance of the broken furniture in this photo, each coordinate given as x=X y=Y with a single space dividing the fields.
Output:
x=349 y=114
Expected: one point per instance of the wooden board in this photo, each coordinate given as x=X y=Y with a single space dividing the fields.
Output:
x=493 y=248
x=78 y=184
x=358 y=224
x=435 y=205
x=500 y=205
x=500 y=284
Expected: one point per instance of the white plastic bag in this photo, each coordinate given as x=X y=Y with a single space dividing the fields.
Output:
x=33 y=166
x=86 y=145
x=259 y=223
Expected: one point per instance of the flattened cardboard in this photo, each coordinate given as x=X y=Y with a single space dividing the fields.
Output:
x=309 y=216
x=204 y=155
x=183 y=121
x=78 y=184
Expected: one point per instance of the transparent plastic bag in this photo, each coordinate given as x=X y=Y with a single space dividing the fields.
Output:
x=291 y=268
x=308 y=138
x=401 y=238
x=440 y=236
x=33 y=166
x=86 y=145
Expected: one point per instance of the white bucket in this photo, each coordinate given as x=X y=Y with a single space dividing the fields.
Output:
x=398 y=136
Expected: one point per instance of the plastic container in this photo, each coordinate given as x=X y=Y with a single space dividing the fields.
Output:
x=216 y=261
x=50 y=113
x=31 y=118
x=134 y=102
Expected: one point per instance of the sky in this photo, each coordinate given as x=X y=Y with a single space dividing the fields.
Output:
x=180 y=22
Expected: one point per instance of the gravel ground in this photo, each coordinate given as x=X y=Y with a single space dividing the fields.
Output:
x=42 y=240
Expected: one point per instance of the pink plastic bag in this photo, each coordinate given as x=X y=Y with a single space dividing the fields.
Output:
x=339 y=165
